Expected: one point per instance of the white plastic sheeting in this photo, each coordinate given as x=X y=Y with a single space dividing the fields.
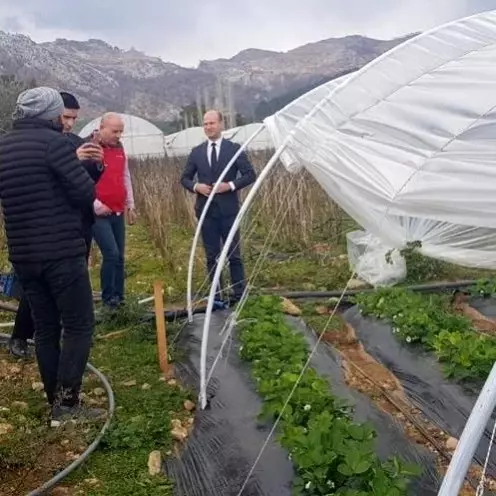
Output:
x=407 y=145
x=241 y=134
x=140 y=139
x=282 y=123
x=180 y=144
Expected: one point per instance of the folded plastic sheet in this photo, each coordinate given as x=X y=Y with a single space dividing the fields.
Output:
x=227 y=436
x=391 y=440
x=445 y=403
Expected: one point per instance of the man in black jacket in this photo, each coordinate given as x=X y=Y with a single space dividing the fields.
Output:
x=24 y=325
x=206 y=162
x=43 y=189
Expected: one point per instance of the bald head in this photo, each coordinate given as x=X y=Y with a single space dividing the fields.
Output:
x=111 y=128
x=213 y=124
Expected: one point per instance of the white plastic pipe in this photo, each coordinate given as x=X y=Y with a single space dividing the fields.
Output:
x=218 y=271
x=202 y=218
x=470 y=438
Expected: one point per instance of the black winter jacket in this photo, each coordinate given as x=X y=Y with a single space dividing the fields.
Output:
x=43 y=189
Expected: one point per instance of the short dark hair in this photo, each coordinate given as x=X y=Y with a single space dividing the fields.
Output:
x=70 y=101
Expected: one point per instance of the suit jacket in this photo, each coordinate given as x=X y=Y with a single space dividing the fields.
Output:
x=241 y=174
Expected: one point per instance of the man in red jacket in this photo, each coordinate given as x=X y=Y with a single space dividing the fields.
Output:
x=114 y=201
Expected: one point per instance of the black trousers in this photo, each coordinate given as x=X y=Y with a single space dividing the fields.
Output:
x=24 y=325
x=215 y=230
x=60 y=296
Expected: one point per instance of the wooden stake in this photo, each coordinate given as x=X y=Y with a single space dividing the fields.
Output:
x=163 y=356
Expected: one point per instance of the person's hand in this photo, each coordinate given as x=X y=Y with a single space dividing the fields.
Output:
x=90 y=151
x=223 y=188
x=203 y=189
x=101 y=210
x=131 y=216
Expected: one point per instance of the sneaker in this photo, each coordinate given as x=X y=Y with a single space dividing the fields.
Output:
x=19 y=348
x=78 y=413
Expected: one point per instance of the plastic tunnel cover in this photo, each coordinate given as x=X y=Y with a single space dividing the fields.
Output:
x=445 y=403
x=391 y=440
x=227 y=436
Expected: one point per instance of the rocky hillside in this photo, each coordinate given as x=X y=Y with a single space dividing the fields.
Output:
x=108 y=78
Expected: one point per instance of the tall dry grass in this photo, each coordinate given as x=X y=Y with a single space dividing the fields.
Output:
x=293 y=203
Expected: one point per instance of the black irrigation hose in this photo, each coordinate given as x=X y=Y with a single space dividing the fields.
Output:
x=432 y=287
x=173 y=315
x=92 y=447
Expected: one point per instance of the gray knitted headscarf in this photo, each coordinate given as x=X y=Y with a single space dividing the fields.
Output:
x=42 y=103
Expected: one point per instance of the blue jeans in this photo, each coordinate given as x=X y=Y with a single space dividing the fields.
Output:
x=109 y=234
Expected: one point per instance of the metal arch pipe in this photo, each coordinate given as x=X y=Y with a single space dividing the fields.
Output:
x=202 y=218
x=218 y=271
x=50 y=484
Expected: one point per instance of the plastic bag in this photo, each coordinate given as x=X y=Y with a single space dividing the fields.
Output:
x=373 y=262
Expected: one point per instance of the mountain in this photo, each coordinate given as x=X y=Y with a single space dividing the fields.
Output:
x=105 y=77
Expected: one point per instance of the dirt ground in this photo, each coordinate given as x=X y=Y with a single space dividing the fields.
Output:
x=31 y=453
x=363 y=373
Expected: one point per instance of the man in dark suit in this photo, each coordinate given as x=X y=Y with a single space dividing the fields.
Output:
x=206 y=162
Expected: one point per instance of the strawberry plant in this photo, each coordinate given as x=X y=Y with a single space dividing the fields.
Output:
x=332 y=454
x=484 y=288
x=426 y=319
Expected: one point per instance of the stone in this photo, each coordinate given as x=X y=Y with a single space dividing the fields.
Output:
x=146 y=387
x=130 y=383
x=451 y=443
x=357 y=284
x=37 y=386
x=179 y=434
x=290 y=308
x=154 y=463
x=189 y=405
x=99 y=391
x=6 y=429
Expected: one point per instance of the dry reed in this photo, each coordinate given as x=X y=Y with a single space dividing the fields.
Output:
x=306 y=215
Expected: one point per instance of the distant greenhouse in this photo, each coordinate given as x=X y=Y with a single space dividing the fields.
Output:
x=140 y=139
x=241 y=134
x=181 y=143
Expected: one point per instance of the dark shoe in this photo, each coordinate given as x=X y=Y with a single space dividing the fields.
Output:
x=19 y=348
x=220 y=305
x=78 y=413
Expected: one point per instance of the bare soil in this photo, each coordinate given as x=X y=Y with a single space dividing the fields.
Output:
x=31 y=452
x=461 y=306
x=363 y=373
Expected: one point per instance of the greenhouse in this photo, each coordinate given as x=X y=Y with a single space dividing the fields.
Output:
x=141 y=138
x=360 y=358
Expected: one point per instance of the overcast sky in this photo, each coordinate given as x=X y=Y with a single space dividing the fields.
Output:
x=186 y=31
